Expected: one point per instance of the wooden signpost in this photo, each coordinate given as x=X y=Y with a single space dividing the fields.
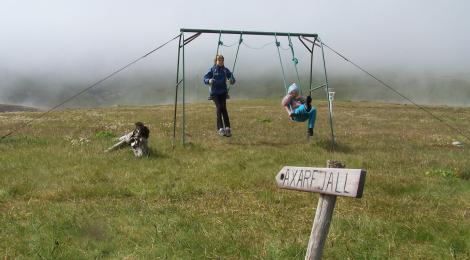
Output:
x=329 y=182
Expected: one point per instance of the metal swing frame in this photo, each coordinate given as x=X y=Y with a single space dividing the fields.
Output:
x=181 y=81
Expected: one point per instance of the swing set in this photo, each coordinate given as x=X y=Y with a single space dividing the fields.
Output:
x=303 y=38
x=309 y=41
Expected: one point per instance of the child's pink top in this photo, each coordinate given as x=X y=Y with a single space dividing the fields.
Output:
x=289 y=100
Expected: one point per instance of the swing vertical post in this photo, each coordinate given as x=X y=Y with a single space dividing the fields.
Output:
x=184 y=97
x=333 y=142
x=311 y=67
x=176 y=91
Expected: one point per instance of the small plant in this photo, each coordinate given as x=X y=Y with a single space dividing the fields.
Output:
x=463 y=174
x=265 y=120
x=80 y=141
x=104 y=134
x=441 y=172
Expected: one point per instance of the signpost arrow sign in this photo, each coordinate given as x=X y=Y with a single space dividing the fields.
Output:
x=332 y=181
x=329 y=182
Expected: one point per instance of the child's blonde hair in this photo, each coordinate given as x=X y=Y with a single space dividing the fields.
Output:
x=218 y=56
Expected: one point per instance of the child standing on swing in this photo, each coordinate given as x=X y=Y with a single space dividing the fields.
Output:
x=298 y=110
x=217 y=78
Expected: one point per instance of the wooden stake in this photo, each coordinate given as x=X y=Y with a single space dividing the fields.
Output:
x=321 y=223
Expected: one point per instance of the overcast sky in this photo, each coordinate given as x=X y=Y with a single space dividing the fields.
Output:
x=87 y=39
x=39 y=34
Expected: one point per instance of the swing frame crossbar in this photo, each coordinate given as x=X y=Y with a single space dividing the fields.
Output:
x=183 y=30
x=181 y=79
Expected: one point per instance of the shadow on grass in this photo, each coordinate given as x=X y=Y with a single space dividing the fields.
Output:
x=327 y=145
x=156 y=154
x=268 y=143
x=194 y=147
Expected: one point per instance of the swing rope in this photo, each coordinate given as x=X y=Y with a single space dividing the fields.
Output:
x=220 y=43
x=257 y=48
x=295 y=61
x=236 y=54
x=236 y=57
x=278 y=44
x=229 y=45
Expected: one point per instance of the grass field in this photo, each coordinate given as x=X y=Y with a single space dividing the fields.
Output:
x=61 y=197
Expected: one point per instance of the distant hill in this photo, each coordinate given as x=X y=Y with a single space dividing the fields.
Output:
x=14 y=108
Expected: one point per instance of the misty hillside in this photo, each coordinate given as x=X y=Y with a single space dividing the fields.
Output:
x=150 y=89
x=15 y=108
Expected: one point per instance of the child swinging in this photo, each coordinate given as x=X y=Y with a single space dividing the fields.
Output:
x=300 y=110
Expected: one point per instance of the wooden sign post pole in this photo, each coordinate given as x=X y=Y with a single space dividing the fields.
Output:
x=321 y=223
x=329 y=182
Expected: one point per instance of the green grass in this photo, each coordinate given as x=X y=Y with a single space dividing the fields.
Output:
x=62 y=197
